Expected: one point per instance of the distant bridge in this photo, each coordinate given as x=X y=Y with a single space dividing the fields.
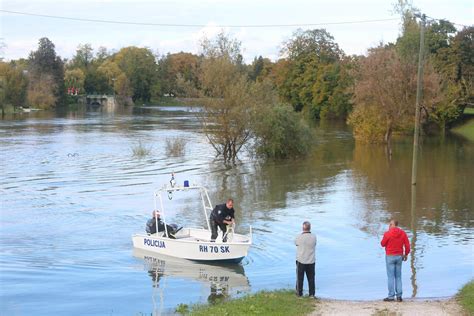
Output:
x=103 y=101
x=98 y=100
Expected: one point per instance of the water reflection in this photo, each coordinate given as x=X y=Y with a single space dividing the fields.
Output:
x=413 y=241
x=347 y=190
x=223 y=280
x=265 y=186
x=444 y=187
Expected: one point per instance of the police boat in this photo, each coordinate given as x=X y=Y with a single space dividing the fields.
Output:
x=193 y=243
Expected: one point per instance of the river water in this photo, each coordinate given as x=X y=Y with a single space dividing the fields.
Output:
x=73 y=194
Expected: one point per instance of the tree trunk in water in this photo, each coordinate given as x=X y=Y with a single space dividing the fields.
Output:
x=443 y=129
x=388 y=140
x=224 y=152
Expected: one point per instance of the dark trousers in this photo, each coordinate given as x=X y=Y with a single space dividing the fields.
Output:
x=214 y=226
x=301 y=269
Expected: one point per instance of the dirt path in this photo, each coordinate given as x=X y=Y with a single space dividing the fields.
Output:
x=380 y=308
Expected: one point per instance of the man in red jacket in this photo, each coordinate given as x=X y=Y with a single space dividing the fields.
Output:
x=395 y=240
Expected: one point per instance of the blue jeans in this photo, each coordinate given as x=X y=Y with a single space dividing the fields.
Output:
x=394 y=275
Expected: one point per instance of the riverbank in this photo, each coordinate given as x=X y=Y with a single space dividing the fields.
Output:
x=417 y=307
x=461 y=304
x=466 y=297
x=284 y=302
x=466 y=130
x=280 y=302
x=466 y=127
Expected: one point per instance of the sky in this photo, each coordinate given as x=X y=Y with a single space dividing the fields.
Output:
x=20 y=33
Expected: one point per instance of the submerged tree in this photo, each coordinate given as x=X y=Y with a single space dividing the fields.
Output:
x=225 y=90
x=385 y=95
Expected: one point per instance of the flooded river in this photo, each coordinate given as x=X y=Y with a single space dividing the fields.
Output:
x=73 y=194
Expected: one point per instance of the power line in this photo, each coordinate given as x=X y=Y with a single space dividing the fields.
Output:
x=194 y=25
x=435 y=19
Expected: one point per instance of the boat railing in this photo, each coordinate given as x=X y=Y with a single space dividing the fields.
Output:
x=205 y=201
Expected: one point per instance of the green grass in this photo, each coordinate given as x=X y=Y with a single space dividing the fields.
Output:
x=469 y=111
x=466 y=297
x=281 y=302
x=466 y=130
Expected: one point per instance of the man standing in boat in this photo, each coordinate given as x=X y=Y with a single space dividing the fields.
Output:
x=221 y=216
x=305 y=259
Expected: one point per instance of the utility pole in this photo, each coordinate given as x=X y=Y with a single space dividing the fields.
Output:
x=419 y=88
x=113 y=84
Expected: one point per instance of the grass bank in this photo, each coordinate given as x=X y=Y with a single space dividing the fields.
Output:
x=466 y=130
x=469 y=111
x=466 y=297
x=281 y=302
x=466 y=126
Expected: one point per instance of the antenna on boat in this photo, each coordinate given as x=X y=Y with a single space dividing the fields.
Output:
x=172 y=184
x=172 y=181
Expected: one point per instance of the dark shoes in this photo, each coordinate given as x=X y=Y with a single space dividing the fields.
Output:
x=389 y=299
x=399 y=299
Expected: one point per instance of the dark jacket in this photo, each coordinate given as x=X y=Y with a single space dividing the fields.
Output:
x=221 y=212
x=151 y=226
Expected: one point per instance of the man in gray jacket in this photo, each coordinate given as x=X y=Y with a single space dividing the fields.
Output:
x=305 y=259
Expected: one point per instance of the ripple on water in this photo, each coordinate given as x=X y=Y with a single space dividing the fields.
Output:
x=67 y=221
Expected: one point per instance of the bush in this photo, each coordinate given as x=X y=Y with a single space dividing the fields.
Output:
x=140 y=150
x=175 y=147
x=466 y=297
x=367 y=124
x=281 y=133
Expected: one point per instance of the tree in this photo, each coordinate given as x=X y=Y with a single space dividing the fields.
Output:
x=84 y=57
x=13 y=84
x=178 y=74
x=74 y=78
x=226 y=112
x=442 y=51
x=184 y=68
x=222 y=46
x=44 y=63
x=140 y=67
x=110 y=70
x=385 y=95
x=278 y=131
x=102 y=54
x=454 y=61
x=122 y=86
x=318 y=43
x=281 y=133
x=96 y=82
x=315 y=79
x=257 y=68
x=40 y=92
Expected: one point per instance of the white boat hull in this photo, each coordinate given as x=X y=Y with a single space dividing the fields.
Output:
x=194 y=244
